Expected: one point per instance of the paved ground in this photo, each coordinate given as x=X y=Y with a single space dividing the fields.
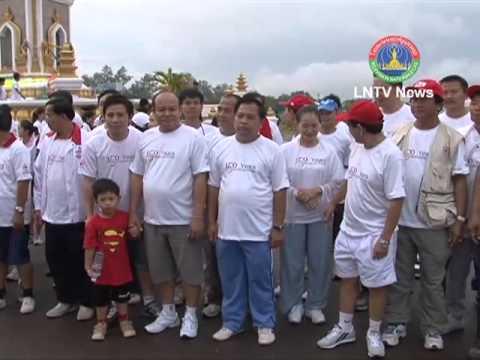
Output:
x=35 y=337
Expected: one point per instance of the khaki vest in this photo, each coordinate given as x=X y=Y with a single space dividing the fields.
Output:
x=436 y=202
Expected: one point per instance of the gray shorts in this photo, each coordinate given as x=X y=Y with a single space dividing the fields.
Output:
x=170 y=252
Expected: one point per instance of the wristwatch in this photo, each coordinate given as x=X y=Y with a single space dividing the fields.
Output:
x=278 y=227
x=19 y=209
x=462 y=219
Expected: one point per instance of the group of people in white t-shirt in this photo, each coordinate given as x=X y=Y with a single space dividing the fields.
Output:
x=218 y=199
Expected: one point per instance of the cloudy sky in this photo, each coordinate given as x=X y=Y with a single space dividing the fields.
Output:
x=282 y=46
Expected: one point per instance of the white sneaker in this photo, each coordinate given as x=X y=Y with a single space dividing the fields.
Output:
x=223 y=334
x=433 y=341
x=336 y=336
x=60 y=310
x=85 y=313
x=134 y=299
x=28 y=305
x=212 y=310
x=454 y=324
x=374 y=344
x=13 y=274
x=317 y=316
x=164 y=320
x=3 y=304
x=189 y=329
x=266 y=336
x=393 y=333
x=296 y=314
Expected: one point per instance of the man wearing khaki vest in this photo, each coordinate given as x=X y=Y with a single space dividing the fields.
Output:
x=432 y=218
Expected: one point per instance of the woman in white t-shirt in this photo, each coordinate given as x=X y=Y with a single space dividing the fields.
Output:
x=315 y=172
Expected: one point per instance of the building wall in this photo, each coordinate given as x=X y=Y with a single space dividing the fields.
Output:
x=18 y=9
x=63 y=12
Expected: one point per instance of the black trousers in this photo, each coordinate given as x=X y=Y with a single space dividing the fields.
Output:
x=65 y=258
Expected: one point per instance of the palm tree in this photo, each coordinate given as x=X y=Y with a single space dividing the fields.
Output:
x=170 y=80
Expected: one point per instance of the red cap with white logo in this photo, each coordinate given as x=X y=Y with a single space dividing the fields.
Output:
x=426 y=84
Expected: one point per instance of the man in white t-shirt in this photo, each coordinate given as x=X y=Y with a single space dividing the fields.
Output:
x=395 y=112
x=247 y=200
x=67 y=95
x=432 y=218
x=170 y=173
x=366 y=245
x=109 y=155
x=463 y=254
x=59 y=204
x=456 y=114
x=15 y=177
x=225 y=118
x=191 y=104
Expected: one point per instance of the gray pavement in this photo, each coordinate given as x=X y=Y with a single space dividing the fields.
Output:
x=35 y=337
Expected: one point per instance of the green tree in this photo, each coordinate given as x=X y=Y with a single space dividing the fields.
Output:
x=144 y=87
x=107 y=79
x=172 y=81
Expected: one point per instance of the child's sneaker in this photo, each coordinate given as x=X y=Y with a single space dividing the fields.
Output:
x=127 y=329
x=99 y=331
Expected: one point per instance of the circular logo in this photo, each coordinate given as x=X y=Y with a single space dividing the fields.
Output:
x=394 y=59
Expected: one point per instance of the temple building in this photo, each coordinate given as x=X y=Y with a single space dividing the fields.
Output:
x=35 y=42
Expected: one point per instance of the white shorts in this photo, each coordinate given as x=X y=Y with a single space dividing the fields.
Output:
x=354 y=258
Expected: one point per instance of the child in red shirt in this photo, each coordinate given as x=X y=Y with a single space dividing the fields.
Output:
x=107 y=232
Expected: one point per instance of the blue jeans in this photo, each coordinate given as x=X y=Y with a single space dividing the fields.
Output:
x=245 y=269
x=314 y=242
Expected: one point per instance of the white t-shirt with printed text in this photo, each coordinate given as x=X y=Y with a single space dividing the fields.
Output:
x=308 y=168
x=103 y=157
x=374 y=177
x=168 y=163
x=247 y=175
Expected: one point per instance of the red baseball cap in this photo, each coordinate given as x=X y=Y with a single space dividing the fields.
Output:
x=427 y=84
x=365 y=112
x=298 y=101
x=473 y=91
